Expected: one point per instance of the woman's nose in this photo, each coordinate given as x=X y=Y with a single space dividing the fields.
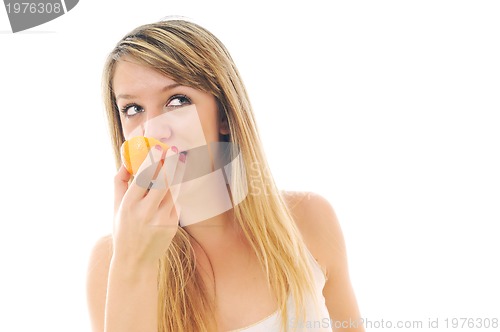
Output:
x=157 y=126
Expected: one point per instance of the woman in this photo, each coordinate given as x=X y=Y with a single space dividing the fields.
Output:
x=272 y=261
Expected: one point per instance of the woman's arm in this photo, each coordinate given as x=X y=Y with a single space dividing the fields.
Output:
x=322 y=234
x=132 y=298
x=97 y=282
x=120 y=297
x=123 y=270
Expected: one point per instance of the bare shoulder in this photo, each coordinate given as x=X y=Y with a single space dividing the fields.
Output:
x=101 y=253
x=319 y=226
x=320 y=229
x=97 y=280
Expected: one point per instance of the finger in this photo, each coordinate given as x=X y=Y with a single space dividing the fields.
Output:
x=146 y=173
x=158 y=188
x=169 y=208
x=168 y=213
x=121 y=180
x=178 y=176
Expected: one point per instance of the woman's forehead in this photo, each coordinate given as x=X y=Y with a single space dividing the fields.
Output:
x=130 y=76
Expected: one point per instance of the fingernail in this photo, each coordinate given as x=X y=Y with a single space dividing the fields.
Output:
x=182 y=157
x=174 y=149
x=158 y=147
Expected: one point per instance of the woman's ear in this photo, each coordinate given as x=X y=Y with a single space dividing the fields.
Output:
x=223 y=121
x=224 y=126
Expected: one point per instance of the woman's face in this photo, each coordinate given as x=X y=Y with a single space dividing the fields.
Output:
x=186 y=119
x=154 y=105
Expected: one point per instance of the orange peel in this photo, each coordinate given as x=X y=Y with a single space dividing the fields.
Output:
x=135 y=150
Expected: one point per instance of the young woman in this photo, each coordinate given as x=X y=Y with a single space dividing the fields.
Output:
x=273 y=261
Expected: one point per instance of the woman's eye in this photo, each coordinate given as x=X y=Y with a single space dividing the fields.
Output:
x=131 y=110
x=177 y=101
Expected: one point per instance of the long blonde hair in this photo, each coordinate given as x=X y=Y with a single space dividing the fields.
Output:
x=192 y=56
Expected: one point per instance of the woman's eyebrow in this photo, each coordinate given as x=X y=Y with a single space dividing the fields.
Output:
x=165 y=88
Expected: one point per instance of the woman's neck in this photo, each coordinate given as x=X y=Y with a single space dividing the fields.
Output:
x=218 y=236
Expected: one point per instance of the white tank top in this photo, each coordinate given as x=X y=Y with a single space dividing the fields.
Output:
x=317 y=317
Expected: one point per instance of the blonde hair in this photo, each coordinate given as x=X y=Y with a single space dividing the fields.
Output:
x=192 y=56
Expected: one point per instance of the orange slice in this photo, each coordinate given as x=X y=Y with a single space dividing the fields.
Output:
x=135 y=150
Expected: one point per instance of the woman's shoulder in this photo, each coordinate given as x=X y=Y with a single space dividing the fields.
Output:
x=318 y=224
x=102 y=247
x=309 y=209
x=100 y=256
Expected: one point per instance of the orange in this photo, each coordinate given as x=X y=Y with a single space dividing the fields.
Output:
x=135 y=150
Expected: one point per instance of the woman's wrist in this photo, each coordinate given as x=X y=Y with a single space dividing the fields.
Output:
x=131 y=269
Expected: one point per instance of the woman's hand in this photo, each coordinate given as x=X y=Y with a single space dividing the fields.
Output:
x=146 y=219
x=145 y=222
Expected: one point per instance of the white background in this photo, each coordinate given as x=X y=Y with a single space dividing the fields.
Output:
x=390 y=109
